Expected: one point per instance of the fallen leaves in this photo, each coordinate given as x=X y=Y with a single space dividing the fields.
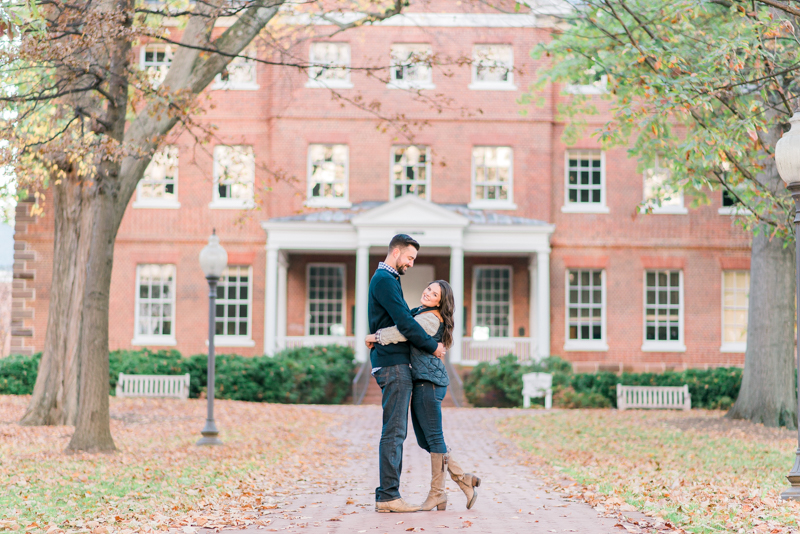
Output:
x=159 y=481
x=668 y=471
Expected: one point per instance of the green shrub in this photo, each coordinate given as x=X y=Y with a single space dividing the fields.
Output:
x=495 y=384
x=500 y=384
x=18 y=374
x=313 y=375
x=566 y=397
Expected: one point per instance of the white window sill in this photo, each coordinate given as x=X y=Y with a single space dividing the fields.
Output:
x=157 y=204
x=734 y=347
x=588 y=345
x=733 y=210
x=242 y=86
x=492 y=86
x=491 y=205
x=154 y=341
x=329 y=84
x=588 y=207
x=328 y=203
x=410 y=85
x=232 y=341
x=669 y=210
x=663 y=346
x=223 y=204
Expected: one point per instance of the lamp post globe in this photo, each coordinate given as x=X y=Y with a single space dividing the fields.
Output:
x=787 y=159
x=213 y=260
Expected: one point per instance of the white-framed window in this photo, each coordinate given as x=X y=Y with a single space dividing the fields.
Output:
x=584 y=182
x=659 y=195
x=411 y=66
x=735 y=304
x=158 y=187
x=155 y=305
x=234 y=308
x=492 y=302
x=731 y=205
x=328 y=170
x=239 y=75
x=234 y=177
x=586 y=310
x=155 y=60
x=493 y=67
x=663 y=315
x=492 y=177
x=597 y=86
x=326 y=314
x=411 y=171
x=330 y=66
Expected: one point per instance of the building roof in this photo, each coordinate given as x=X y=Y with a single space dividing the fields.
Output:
x=480 y=217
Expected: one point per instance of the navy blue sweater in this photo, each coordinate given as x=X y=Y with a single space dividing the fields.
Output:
x=387 y=307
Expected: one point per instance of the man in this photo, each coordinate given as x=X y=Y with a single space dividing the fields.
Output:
x=391 y=365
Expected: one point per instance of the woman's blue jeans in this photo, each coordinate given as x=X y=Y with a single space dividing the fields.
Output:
x=426 y=415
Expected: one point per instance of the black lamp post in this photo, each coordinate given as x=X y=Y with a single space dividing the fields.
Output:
x=213 y=260
x=787 y=158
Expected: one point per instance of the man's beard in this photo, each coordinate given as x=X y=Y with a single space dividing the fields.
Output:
x=401 y=269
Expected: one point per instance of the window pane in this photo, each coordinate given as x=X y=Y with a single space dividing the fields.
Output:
x=493 y=287
x=155 y=307
x=662 y=317
x=735 y=303
x=325 y=307
x=584 y=177
x=585 y=304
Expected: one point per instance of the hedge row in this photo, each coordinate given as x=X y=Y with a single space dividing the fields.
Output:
x=500 y=384
x=314 y=375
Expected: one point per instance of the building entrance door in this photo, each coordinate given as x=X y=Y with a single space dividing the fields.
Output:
x=415 y=281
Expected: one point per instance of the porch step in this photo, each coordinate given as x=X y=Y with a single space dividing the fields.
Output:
x=373 y=395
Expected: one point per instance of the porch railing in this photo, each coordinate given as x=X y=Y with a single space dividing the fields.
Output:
x=294 y=342
x=474 y=352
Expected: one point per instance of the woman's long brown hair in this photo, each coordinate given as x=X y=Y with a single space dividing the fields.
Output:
x=447 y=307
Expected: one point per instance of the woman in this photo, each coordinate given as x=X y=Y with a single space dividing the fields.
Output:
x=430 y=386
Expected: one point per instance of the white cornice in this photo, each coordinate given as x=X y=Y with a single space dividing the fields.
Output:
x=432 y=20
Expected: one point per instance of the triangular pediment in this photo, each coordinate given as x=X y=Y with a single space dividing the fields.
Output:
x=411 y=210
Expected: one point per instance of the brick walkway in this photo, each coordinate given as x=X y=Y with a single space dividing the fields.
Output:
x=511 y=500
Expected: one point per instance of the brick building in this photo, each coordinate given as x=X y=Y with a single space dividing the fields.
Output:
x=541 y=241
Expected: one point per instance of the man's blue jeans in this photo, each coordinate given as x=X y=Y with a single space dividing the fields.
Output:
x=426 y=415
x=395 y=383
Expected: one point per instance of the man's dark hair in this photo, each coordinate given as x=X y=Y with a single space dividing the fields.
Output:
x=402 y=241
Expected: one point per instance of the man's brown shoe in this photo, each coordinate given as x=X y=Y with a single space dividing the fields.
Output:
x=397 y=505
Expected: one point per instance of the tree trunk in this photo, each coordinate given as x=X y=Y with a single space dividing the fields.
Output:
x=767 y=394
x=92 y=428
x=55 y=395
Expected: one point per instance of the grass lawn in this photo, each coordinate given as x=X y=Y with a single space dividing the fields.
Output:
x=158 y=480
x=695 y=470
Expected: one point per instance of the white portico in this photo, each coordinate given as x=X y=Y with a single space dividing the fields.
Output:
x=443 y=231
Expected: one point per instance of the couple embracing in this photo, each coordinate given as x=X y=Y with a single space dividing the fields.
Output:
x=407 y=357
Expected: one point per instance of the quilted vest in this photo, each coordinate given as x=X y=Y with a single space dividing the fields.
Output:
x=425 y=366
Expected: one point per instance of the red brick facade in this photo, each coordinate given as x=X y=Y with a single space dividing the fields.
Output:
x=281 y=119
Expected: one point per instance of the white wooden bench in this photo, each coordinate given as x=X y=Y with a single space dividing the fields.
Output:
x=654 y=397
x=537 y=385
x=176 y=386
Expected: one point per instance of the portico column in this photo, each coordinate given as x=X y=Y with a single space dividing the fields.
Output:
x=362 y=293
x=457 y=283
x=271 y=301
x=532 y=313
x=543 y=303
x=280 y=337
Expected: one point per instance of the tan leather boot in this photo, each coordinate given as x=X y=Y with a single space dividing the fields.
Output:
x=397 y=505
x=437 y=498
x=466 y=481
